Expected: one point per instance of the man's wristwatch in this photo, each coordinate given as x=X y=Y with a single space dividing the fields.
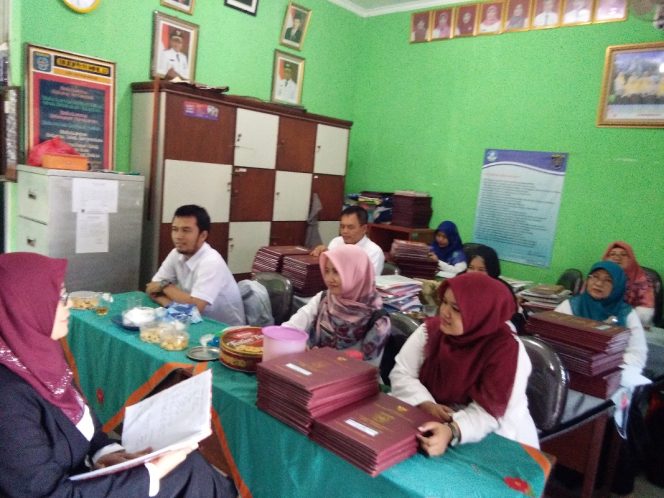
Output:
x=163 y=284
x=456 y=433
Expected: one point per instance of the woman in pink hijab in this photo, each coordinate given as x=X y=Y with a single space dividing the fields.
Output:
x=47 y=431
x=349 y=314
x=639 y=293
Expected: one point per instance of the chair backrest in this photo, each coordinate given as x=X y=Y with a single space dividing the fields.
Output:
x=280 y=290
x=547 y=385
x=572 y=280
x=656 y=281
x=390 y=269
x=256 y=302
x=401 y=328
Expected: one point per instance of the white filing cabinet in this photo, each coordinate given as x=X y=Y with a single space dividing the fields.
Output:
x=48 y=224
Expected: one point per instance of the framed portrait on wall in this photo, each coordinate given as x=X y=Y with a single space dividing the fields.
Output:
x=419 y=27
x=441 y=24
x=248 y=6
x=294 y=29
x=577 y=12
x=546 y=14
x=174 y=43
x=181 y=5
x=465 y=20
x=610 y=10
x=517 y=15
x=287 y=78
x=632 y=87
x=490 y=18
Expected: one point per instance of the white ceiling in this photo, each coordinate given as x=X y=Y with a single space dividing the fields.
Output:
x=367 y=8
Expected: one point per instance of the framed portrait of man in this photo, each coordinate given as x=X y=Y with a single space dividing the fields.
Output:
x=248 y=6
x=577 y=12
x=181 y=5
x=294 y=29
x=546 y=14
x=287 y=78
x=465 y=20
x=441 y=24
x=490 y=18
x=518 y=15
x=174 y=43
x=610 y=10
x=419 y=27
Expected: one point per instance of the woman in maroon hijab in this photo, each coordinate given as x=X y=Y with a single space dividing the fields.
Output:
x=467 y=368
x=47 y=431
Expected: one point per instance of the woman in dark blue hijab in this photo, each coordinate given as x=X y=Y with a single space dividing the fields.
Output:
x=447 y=249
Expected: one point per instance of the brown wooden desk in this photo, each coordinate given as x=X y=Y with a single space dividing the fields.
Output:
x=383 y=234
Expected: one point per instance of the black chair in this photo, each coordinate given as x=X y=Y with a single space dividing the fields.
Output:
x=572 y=280
x=390 y=269
x=280 y=290
x=656 y=281
x=547 y=385
x=401 y=328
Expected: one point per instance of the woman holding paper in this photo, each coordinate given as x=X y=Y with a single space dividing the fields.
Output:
x=602 y=300
x=467 y=368
x=447 y=250
x=349 y=314
x=47 y=431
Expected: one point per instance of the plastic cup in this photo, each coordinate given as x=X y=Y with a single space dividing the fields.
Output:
x=279 y=341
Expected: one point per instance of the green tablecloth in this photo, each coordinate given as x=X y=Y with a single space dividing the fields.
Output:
x=269 y=459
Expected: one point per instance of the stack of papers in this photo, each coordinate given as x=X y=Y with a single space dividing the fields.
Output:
x=411 y=209
x=413 y=259
x=372 y=434
x=304 y=272
x=543 y=297
x=399 y=293
x=270 y=258
x=517 y=285
x=592 y=351
x=298 y=387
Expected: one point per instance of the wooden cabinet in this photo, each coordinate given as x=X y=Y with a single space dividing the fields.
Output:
x=252 y=165
x=384 y=234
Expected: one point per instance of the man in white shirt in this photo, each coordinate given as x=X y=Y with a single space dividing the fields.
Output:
x=353 y=230
x=549 y=14
x=195 y=273
x=173 y=62
x=579 y=12
x=286 y=86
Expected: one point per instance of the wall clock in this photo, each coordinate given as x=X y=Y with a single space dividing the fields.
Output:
x=82 y=6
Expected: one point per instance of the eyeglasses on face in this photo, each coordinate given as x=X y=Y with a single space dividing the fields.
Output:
x=64 y=297
x=617 y=254
x=600 y=280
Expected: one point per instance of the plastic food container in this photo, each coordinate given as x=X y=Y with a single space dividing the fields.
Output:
x=174 y=338
x=278 y=341
x=151 y=332
x=241 y=348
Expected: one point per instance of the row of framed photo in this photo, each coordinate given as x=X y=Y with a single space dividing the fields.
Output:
x=493 y=18
x=187 y=6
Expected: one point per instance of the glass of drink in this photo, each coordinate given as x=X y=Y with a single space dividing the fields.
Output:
x=104 y=304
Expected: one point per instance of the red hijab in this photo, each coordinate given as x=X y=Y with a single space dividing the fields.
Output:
x=31 y=286
x=636 y=277
x=480 y=364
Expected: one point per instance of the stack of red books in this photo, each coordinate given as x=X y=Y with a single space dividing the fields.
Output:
x=413 y=259
x=304 y=272
x=373 y=434
x=298 y=387
x=270 y=258
x=411 y=209
x=592 y=351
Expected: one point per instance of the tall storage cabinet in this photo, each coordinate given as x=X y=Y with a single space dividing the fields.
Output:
x=50 y=222
x=252 y=165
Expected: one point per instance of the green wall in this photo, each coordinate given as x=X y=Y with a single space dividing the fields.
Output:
x=423 y=113
x=426 y=112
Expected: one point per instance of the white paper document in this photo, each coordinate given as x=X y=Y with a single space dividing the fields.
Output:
x=94 y=196
x=174 y=418
x=92 y=233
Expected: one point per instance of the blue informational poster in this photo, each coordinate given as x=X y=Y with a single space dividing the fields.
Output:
x=518 y=203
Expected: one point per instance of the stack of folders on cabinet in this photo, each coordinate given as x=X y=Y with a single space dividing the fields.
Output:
x=411 y=209
x=304 y=272
x=335 y=400
x=399 y=293
x=270 y=258
x=543 y=297
x=413 y=259
x=592 y=351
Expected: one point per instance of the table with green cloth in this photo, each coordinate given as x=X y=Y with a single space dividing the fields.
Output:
x=268 y=458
